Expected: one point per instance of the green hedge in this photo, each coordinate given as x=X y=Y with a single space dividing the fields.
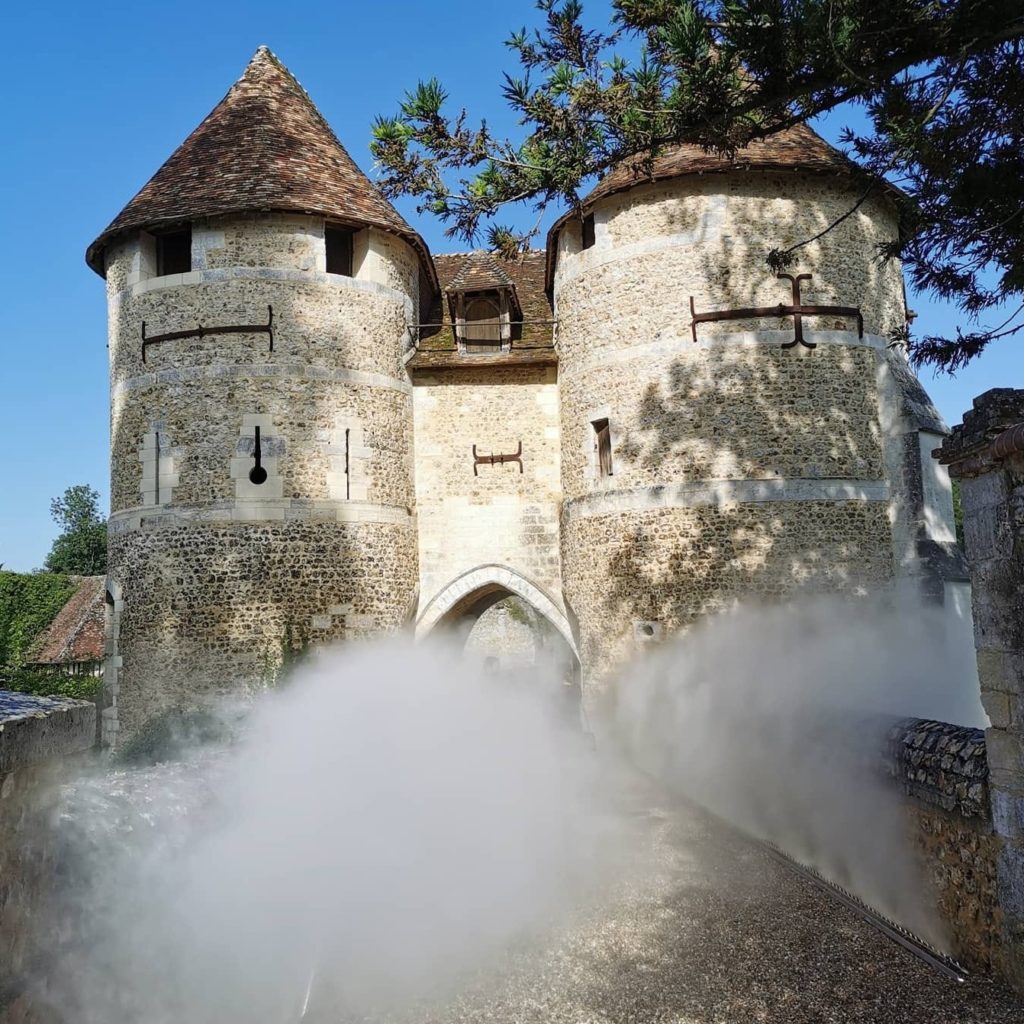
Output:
x=29 y=602
x=44 y=683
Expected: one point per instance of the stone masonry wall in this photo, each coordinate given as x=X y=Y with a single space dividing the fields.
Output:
x=668 y=566
x=944 y=772
x=728 y=412
x=986 y=454
x=504 y=631
x=211 y=568
x=496 y=515
x=37 y=735
x=708 y=236
x=206 y=607
x=740 y=469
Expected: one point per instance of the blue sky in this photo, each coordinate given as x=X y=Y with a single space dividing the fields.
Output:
x=98 y=95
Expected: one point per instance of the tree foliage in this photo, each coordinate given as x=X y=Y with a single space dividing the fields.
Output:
x=940 y=80
x=81 y=547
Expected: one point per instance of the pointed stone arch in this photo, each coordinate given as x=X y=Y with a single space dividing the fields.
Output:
x=475 y=585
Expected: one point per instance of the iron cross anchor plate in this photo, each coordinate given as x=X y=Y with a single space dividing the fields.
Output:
x=797 y=310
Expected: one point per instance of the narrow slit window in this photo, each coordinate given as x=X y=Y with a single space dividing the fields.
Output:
x=338 y=243
x=174 y=252
x=588 y=231
x=603 y=447
x=348 y=463
x=156 y=468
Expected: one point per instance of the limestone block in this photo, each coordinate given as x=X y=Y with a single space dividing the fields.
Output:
x=997 y=707
x=1008 y=813
x=1005 y=757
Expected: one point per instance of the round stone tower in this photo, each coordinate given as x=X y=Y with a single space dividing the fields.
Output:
x=715 y=446
x=259 y=289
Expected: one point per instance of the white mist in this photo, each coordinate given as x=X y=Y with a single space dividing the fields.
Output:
x=775 y=719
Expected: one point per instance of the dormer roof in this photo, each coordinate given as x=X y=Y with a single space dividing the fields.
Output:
x=264 y=147
x=479 y=271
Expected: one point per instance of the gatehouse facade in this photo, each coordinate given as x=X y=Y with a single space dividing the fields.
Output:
x=320 y=430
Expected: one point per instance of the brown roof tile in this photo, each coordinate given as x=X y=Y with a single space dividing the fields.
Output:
x=76 y=633
x=265 y=146
x=479 y=270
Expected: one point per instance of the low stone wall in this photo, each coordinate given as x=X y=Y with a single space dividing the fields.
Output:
x=943 y=769
x=37 y=737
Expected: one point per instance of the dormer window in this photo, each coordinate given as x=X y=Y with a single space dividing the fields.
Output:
x=174 y=252
x=483 y=306
x=588 y=232
x=338 y=244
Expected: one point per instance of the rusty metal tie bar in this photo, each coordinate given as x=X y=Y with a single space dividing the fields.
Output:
x=797 y=310
x=202 y=332
x=492 y=460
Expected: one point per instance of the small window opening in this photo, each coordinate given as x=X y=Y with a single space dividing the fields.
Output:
x=338 y=243
x=603 y=446
x=174 y=252
x=588 y=231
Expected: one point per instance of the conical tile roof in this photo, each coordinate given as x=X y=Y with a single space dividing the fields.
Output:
x=265 y=146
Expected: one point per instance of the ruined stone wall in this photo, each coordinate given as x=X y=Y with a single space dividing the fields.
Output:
x=944 y=772
x=739 y=469
x=212 y=569
x=37 y=737
x=497 y=515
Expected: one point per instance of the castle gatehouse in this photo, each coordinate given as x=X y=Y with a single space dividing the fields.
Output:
x=321 y=430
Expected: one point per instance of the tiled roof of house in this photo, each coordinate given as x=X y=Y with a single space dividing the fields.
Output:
x=799 y=148
x=76 y=634
x=265 y=146
x=468 y=271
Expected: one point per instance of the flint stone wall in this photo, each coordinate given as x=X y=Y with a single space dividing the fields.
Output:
x=38 y=736
x=943 y=769
x=207 y=607
x=671 y=566
x=708 y=236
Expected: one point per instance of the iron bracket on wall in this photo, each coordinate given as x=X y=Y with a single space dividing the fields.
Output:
x=202 y=332
x=492 y=460
x=797 y=310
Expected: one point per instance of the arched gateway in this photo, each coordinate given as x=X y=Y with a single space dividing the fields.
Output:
x=477 y=589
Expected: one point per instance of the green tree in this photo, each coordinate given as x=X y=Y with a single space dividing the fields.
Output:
x=81 y=548
x=942 y=83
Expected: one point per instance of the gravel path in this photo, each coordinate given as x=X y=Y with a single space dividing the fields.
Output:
x=712 y=929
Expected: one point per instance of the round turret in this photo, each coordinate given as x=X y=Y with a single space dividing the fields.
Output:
x=259 y=293
x=721 y=426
